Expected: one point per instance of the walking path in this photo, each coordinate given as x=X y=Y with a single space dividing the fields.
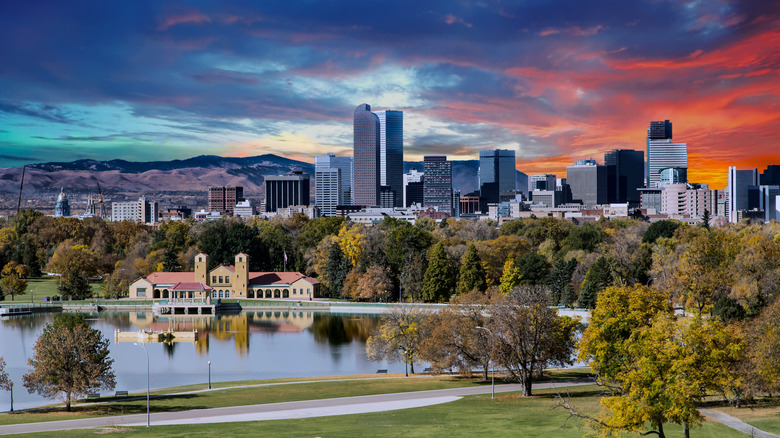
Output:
x=735 y=423
x=287 y=410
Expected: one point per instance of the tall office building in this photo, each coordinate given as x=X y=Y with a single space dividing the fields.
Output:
x=737 y=191
x=629 y=173
x=662 y=152
x=335 y=186
x=437 y=184
x=223 y=199
x=366 y=180
x=282 y=191
x=136 y=211
x=771 y=175
x=391 y=152
x=497 y=176
x=588 y=183
x=413 y=188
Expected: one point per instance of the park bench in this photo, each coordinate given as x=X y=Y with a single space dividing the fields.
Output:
x=118 y=393
x=93 y=395
x=427 y=370
x=381 y=371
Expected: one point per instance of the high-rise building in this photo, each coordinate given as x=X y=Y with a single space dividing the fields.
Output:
x=737 y=191
x=588 y=183
x=541 y=182
x=366 y=180
x=333 y=182
x=662 y=152
x=771 y=175
x=344 y=164
x=688 y=199
x=136 y=211
x=413 y=188
x=768 y=201
x=437 y=184
x=282 y=191
x=629 y=173
x=223 y=199
x=391 y=152
x=497 y=176
x=62 y=206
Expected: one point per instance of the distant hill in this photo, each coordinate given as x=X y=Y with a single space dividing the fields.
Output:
x=192 y=174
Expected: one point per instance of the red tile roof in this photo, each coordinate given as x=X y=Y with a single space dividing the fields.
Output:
x=190 y=286
x=269 y=278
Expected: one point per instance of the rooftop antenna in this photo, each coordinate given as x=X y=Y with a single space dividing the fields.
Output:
x=21 y=186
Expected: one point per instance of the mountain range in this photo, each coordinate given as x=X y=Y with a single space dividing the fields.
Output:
x=189 y=175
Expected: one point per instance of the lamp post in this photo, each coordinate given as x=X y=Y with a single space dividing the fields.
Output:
x=12 y=396
x=147 y=382
x=209 y=374
x=490 y=361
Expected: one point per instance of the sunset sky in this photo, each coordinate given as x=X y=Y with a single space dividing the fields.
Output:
x=556 y=81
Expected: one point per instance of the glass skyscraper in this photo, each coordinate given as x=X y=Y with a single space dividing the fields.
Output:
x=366 y=157
x=662 y=152
x=437 y=182
x=497 y=176
x=629 y=174
x=391 y=152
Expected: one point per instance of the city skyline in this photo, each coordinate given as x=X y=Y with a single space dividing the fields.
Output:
x=555 y=82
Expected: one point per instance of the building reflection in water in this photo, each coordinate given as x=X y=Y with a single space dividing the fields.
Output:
x=326 y=328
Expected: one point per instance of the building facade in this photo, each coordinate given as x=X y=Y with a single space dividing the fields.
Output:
x=284 y=190
x=629 y=174
x=588 y=183
x=328 y=193
x=688 y=199
x=224 y=281
x=136 y=211
x=62 y=206
x=413 y=188
x=344 y=164
x=497 y=175
x=223 y=199
x=662 y=152
x=437 y=184
x=366 y=157
x=391 y=153
x=737 y=191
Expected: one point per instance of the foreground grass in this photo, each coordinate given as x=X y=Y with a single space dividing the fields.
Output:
x=169 y=401
x=509 y=415
x=763 y=414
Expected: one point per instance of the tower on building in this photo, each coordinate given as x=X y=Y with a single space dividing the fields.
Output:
x=662 y=152
x=366 y=180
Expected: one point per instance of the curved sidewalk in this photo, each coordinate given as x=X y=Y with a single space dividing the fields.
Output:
x=735 y=423
x=286 y=410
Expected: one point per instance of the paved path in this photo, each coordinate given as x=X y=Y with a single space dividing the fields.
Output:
x=287 y=410
x=735 y=423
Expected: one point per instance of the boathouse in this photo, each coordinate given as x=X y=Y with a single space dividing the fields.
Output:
x=224 y=281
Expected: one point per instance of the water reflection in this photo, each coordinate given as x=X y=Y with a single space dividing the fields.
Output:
x=283 y=344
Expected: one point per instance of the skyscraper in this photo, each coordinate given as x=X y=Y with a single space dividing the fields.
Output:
x=223 y=199
x=437 y=183
x=737 y=191
x=629 y=173
x=497 y=176
x=662 y=152
x=282 y=191
x=588 y=182
x=391 y=152
x=413 y=188
x=335 y=186
x=366 y=157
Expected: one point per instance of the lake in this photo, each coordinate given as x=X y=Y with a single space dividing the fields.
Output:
x=249 y=345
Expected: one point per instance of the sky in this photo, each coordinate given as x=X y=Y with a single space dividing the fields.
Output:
x=554 y=80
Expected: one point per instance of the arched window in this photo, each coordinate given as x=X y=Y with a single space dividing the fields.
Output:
x=286 y=293
x=277 y=293
x=221 y=293
x=227 y=294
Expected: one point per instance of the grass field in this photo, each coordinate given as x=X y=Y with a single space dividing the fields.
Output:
x=37 y=288
x=509 y=415
x=764 y=415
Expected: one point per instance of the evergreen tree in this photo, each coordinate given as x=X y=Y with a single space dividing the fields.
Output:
x=338 y=267
x=533 y=268
x=560 y=277
x=170 y=260
x=74 y=286
x=439 y=278
x=510 y=276
x=412 y=276
x=598 y=278
x=472 y=274
x=705 y=220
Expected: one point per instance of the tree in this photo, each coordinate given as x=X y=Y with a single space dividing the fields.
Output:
x=398 y=337
x=511 y=276
x=599 y=276
x=452 y=339
x=374 y=284
x=439 y=278
x=472 y=275
x=534 y=269
x=70 y=359
x=74 y=286
x=529 y=335
x=560 y=279
x=12 y=279
x=6 y=384
x=704 y=272
x=705 y=219
x=338 y=267
x=664 y=228
x=412 y=276
x=764 y=337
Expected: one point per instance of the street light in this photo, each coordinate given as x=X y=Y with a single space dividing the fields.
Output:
x=490 y=361
x=12 y=396
x=147 y=382
x=209 y=374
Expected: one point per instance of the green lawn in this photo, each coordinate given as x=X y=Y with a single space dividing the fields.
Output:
x=764 y=414
x=38 y=288
x=508 y=415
